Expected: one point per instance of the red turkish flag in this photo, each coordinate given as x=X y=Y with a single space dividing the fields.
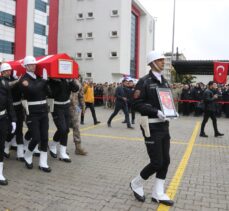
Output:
x=220 y=72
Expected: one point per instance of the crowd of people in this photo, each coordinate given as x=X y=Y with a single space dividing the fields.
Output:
x=187 y=97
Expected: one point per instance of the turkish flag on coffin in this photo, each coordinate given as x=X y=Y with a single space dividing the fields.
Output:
x=220 y=72
x=57 y=66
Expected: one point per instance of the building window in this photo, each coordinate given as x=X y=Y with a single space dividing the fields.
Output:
x=89 y=35
x=6 y=47
x=88 y=75
x=41 y=5
x=39 y=29
x=113 y=54
x=133 y=49
x=79 y=55
x=114 y=13
x=7 y=19
x=79 y=16
x=38 y=51
x=90 y=15
x=89 y=55
x=79 y=36
x=114 y=34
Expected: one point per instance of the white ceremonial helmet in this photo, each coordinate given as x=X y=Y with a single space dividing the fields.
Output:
x=29 y=60
x=154 y=55
x=5 y=66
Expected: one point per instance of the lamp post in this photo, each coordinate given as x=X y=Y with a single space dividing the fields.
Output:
x=154 y=34
x=173 y=33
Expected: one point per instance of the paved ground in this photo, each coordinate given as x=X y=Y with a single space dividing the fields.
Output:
x=198 y=177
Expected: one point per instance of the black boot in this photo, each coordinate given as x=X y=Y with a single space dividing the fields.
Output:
x=82 y=120
x=218 y=134
x=202 y=134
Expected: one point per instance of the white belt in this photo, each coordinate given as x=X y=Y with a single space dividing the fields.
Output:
x=61 y=103
x=155 y=120
x=37 y=102
x=17 y=103
x=2 y=112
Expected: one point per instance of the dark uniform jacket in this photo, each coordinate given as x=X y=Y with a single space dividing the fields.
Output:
x=37 y=90
x=15 y=92
x=6 y=100
x=61 y=90
x=146 y=101
x=209 y=102
x=120 y=92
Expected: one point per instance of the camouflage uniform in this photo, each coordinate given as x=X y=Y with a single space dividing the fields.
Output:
x=76 y=104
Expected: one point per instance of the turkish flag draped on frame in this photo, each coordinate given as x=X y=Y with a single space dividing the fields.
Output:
x=220 y=72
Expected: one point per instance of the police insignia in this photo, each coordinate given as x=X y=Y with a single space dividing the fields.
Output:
x=137 y=94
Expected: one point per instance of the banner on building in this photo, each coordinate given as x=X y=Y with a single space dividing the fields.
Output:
x=220 y=72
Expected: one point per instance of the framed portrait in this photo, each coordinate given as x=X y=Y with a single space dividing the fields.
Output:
x=166 y=102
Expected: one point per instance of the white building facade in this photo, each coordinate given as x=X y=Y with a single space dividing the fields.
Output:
x=108 y=38
x=25 y=28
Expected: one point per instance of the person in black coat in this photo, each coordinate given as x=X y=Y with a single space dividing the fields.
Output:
x=197 y=94
x=186 y=95
x=61 y=90
x=155 y=130
x=226 y=99
x=7 y=116
x=35 y=91
x=210 y=107
x=121 y=95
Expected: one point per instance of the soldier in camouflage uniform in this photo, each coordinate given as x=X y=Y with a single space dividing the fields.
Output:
x=76 y=105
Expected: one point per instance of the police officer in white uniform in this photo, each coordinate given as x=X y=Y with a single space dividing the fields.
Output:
x=155 y=130
x=35 y=91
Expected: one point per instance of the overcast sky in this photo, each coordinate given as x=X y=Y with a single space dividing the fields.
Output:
x=201 y=27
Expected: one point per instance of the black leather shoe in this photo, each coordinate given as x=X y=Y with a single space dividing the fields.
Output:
x=66 y=160
x=29 y=166
x=47 y=170
x=4 y=182
x=36 y=154
x=53 y=154
x=137 y=196
x=219 y=134
x=165 y=202
x=124 y=122
x=13 y=148
x=203 y=135
x=82 y=123
x=130 y=127
x=108 y=124
x=6 y=155
x=97 y=122
x=21 y=159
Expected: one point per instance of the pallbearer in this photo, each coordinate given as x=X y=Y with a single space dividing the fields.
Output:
x=7 y=114
x=35 y=91
x=13 y=80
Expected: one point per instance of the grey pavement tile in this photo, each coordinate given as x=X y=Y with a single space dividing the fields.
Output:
x=100 y=181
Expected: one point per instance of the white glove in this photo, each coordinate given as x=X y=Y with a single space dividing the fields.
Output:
x=15 y=74
x=45 y=74
x=13 y=124
x=161 y=115
x=177 y=114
